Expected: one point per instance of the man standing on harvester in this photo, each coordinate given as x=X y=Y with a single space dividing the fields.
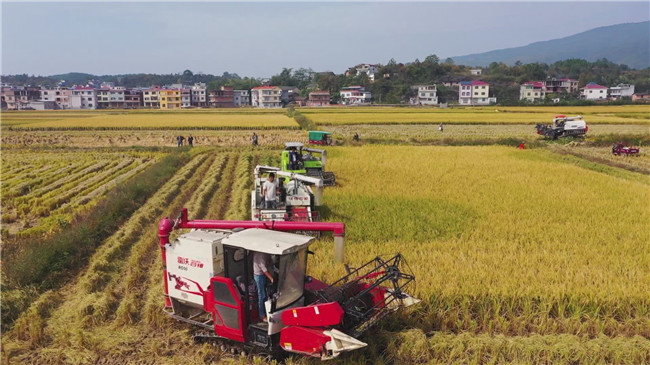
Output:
x=270 y=192
x=261 y=263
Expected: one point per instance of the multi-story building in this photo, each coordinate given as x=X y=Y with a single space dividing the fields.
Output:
x=426 y=95
x=476 y=71
x=319 y=98
x=170 y=99
x=19 y=97
x=133 y=98
x=369 y=69
x=266 y=97
x=110 y=98
x=532 y=91
x=151 y=97
x=474 y=93
x=355 y=95
x=561 y=85
x=84 y=97
x=199 y=95
x=242 y=98
x=593 y=91
x=61 y=96
x=222 y=98
x=186 y=98
x=621 y=91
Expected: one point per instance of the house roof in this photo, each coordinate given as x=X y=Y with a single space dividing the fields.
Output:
x=473 y=83
x=593 y=85
x=265 y=88
x=534 y=83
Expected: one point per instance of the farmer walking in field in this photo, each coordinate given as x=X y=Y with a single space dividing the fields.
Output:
x=179 y=140
x=190 y=141
x=440 y=127
x=254 y=139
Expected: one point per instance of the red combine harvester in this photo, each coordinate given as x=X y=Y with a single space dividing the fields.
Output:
x=208 y=275
x=621 y=149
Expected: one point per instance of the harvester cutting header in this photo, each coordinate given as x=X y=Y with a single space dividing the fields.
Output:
x=212 y=282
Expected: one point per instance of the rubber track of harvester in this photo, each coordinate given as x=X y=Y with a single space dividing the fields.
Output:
x=234 y=347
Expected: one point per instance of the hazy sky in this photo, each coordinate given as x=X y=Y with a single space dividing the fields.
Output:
x=259 y=38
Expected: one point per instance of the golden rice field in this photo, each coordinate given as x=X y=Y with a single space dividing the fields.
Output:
x=43 y=190
x=145 y=119
x=634 y=114
x=520 y=257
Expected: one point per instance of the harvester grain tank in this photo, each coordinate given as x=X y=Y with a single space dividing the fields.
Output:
x=563 y=126
x=299 y=196
x=306 y=161
x=208 y=276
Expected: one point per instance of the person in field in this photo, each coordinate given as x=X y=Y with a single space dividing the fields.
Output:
x=179 y=140
x=270 y=191
x=356 y=137
x=261 y=264
x=522 y=145
x=441 y=127
x=254 y=139
x=190 y=141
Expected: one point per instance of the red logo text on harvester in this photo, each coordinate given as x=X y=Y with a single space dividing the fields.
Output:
x=192 y=263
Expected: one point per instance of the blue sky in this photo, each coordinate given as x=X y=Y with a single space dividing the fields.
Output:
x=259 y=38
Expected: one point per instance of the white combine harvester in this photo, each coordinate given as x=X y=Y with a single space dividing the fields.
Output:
x=299 y=195
x=563 y=126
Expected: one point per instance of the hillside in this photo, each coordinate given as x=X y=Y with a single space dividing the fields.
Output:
x=622 y=43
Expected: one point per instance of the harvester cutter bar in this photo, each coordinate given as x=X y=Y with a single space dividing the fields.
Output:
x=360 y=314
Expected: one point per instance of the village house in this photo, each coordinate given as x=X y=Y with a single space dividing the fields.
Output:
x=170 y=99
x=532 y=91
x=621 y=91
x=426 y=95
x=84 y=97
x=355 y=95
x=593 y=91
x=222 y=98
x=242 y=98
x=266 y=97
x=475 y=93
x=554 y=85
x=319 y=98
x=199 y=95
x=151 y=97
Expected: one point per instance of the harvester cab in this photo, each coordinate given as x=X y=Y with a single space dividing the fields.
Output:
x=306 y=161
x=209 y=283
x=321 y=138
x=299 y=195
x=563 y=126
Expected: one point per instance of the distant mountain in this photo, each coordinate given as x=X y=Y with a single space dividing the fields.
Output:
x=627 y=44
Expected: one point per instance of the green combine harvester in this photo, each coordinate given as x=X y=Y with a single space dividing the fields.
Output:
x=306 y=161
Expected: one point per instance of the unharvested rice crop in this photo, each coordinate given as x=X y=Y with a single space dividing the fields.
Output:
x=234 y=119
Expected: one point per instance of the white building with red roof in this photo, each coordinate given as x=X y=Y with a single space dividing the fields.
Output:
x=475 y=93
x=532 y=91
x=83 y=98
x=266 y=97
x=593 y=91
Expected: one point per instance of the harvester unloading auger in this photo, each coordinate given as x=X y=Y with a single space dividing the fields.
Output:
x=208 y=276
